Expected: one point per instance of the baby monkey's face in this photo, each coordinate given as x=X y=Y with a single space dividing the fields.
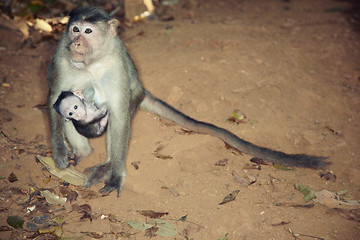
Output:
x=72 y=107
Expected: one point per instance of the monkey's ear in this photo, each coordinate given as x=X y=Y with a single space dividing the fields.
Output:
x=113 y=23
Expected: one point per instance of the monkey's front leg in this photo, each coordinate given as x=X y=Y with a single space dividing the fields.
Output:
x=60 y=150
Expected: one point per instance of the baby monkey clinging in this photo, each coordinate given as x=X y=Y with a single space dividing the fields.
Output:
x=90 y=54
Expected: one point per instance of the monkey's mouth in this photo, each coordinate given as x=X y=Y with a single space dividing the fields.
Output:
x=79 y=52
x=78 y=56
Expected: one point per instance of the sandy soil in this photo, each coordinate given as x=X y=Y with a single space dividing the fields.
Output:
x=291 y=67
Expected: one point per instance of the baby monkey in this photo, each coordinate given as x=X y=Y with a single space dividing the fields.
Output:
x=82 y=110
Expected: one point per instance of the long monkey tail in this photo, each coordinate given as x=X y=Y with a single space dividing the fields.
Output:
x=162 y=109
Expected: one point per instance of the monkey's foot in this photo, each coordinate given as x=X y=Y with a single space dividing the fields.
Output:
x=61 y=162
x=98 y=174
x=113 y=183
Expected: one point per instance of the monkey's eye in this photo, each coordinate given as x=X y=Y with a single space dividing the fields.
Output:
x=70 y=113
x=76 y=29
x=76 y=107
x=88 y=30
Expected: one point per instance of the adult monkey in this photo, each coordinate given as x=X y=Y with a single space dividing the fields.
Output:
x=90 y=54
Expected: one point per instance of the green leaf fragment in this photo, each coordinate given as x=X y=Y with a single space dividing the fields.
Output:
x=15 y=221
x=225 y=237
x=183 y=218
x=165 y=228
x=282 y=168
x=308 y=192
x=139 y=225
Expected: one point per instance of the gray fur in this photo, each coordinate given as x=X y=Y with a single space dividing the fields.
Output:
x=112 y=74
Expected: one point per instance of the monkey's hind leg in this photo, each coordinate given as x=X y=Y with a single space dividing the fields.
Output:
x=98 y=174
x=114 y=181
x=80 y=144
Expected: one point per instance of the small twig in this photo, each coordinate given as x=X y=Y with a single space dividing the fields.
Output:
x=7 y=137
x=282 y=223
x=310 y=205
x=297 y=235
x=271 y=181
x=116 y=10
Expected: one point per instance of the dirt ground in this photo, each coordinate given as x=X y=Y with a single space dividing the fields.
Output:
x=292 y=67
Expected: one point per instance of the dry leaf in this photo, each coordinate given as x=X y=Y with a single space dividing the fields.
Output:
x=157 y=153
x=331 y=200
x=230 y=197
x=88 y=194
x=232 y=149
x=185 y=131
x=244 y=181
x=329 y=176
x=152 y=214
x=42 y=25
x=136 y=164
x=222 y=162
x=151 y=232
x=52 y=198
x=85 y=209
x=258 y=161
x=70 y=174
x=68 y=193
x=12 y=177
x=162 y=156
x=96 y=235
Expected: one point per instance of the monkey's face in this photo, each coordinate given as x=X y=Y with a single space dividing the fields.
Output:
x=73 y=108
x=85 y=39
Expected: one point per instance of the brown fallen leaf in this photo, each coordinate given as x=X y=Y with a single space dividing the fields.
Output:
x=222 y=162
x=69 y=194
x=70 y=174
x=96 y=235
x=258 y=161
x=252 y=166
x=162 y=156
x=157 y=153
x=244 y=181
x=185 y=131
x=85 y=209
x=151 y=232
x=329 y=176
x=232 y=149
x=152 y=214
x=12 y=177
x=136 y=164
x=231 y=197
x=81 y=208
x=88 y=194
x=42 y=206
